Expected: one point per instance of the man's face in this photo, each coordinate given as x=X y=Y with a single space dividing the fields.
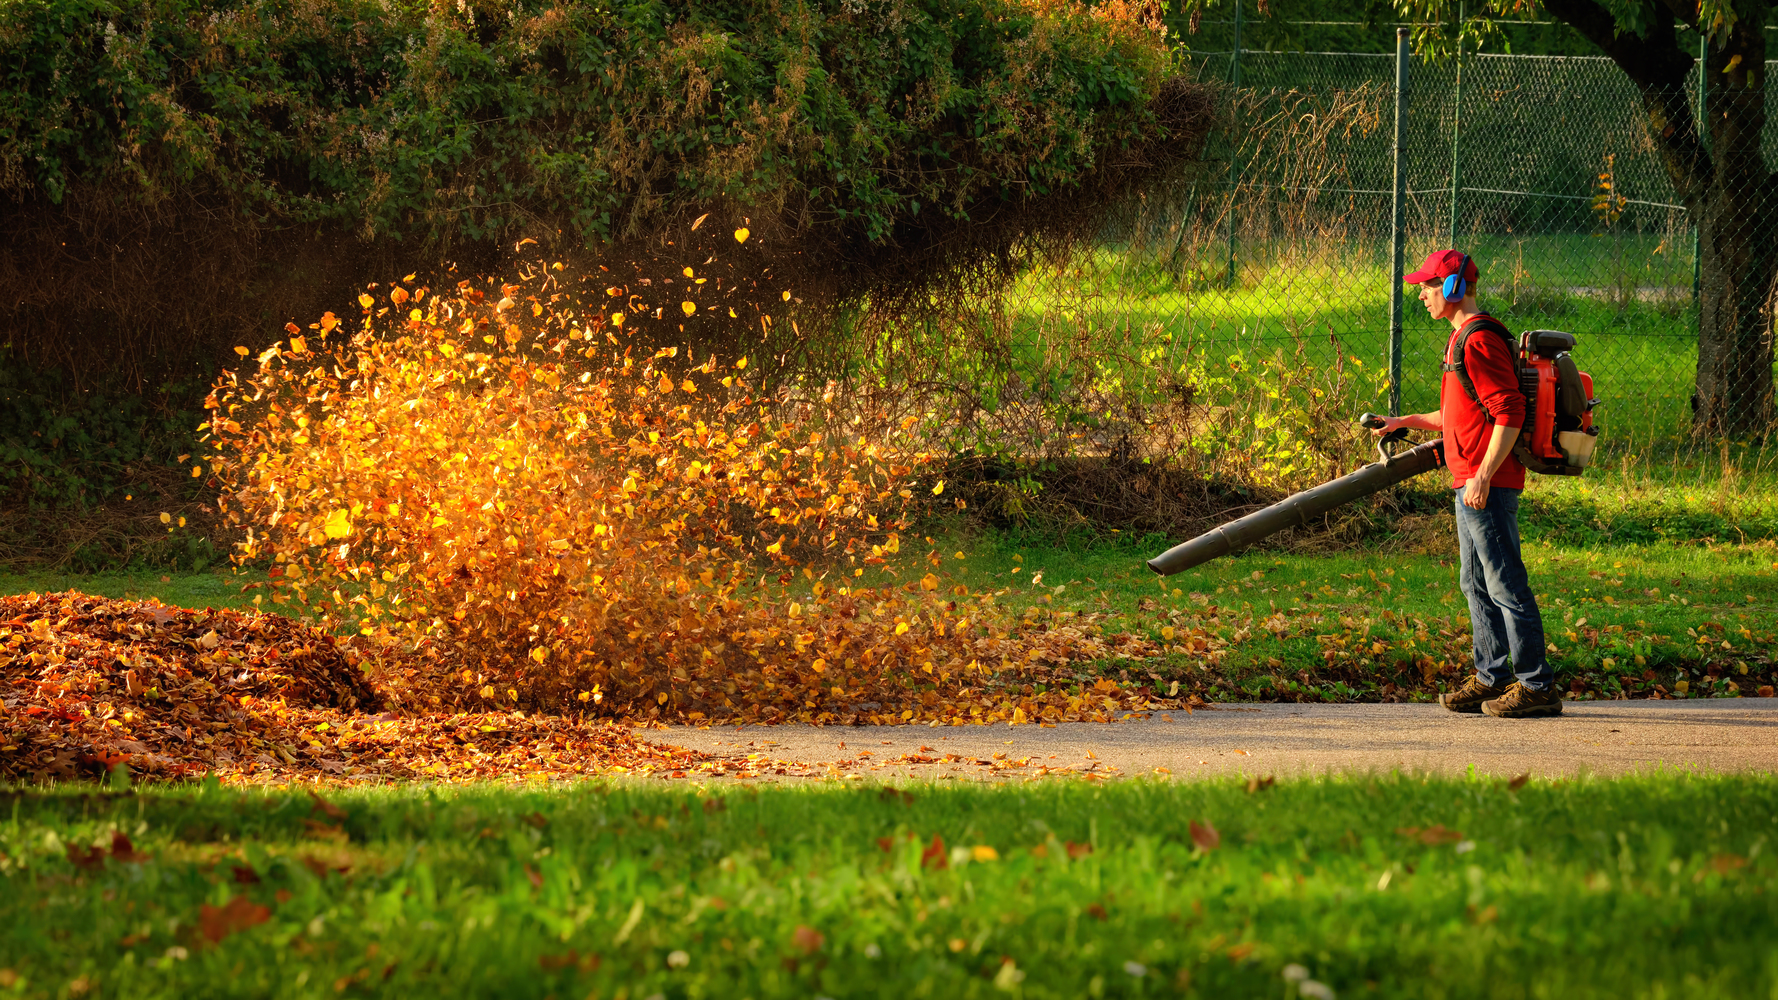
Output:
x=1432 y=295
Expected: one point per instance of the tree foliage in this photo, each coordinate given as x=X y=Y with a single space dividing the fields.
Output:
x=503 y=119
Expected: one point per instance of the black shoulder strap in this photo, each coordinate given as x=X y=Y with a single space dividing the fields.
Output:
x=1458 y=354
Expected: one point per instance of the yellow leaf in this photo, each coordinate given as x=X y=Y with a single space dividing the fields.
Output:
x=820 y=666
x=688 y=387
x=540 y=654
x=940 y=488
x=982 y=852
x=166 y=518
x=1167 y=633
x=242 y=351
x=617 y=319
x=688 y=307
x=929 y=582
x=338 y=525
x=666 y=384
x=787 y=295
x=299 y=345
x=689 y=274
x=365 y=300
x=741 y=363
x=901 y=628
x=741 y=235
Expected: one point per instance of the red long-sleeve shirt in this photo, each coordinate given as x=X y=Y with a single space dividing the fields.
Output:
x=1468 y=426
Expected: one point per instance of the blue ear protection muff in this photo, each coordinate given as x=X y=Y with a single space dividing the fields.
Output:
x=1457 y=285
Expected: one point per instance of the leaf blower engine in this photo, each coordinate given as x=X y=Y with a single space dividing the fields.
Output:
x=1559 y=435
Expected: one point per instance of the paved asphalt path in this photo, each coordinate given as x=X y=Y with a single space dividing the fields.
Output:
x=1600 y=737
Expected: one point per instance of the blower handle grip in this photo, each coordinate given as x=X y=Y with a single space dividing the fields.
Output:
x=1375 y=422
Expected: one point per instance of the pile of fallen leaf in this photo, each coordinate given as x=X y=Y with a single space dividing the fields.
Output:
x=88 y=683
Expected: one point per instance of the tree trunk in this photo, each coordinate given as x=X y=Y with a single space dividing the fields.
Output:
x=1721 y=176
x=1738 y=258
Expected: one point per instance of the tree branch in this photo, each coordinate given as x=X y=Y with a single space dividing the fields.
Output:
x=1658 y=67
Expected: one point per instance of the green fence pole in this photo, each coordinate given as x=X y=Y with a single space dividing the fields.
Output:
x=1235 y=158
x=1397 y=228
x=1457 y=128
x=1703 y=82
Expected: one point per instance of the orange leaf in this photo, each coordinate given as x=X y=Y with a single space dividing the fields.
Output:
x=238 y=914
x=934 y=855
x=807 y=939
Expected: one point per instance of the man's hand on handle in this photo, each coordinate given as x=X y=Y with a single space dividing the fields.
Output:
x=1381 y=425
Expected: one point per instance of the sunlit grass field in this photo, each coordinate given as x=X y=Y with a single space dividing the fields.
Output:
x=1627 y=298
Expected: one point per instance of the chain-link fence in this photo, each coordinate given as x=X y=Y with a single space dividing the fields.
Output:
x=1541 y=167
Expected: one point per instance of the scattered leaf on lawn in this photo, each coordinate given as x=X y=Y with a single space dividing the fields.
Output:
x=238 y=914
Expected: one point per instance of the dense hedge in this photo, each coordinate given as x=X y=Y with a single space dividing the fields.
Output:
x=492 y=120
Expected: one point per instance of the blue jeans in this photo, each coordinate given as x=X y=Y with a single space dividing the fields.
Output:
x=1502 y=610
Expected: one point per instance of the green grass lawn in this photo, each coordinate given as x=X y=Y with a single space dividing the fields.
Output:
x=1690 y=610
x=1639 y=346
x=1381 y=886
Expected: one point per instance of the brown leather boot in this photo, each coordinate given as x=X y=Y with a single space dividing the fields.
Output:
x=1520 y=702
x=1470 y=696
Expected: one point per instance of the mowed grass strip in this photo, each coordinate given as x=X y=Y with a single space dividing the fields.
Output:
x=1386 y=886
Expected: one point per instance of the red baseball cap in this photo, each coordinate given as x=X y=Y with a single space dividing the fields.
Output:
x=1441 y=264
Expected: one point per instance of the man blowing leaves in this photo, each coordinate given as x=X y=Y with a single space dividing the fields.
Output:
x=1481 y=410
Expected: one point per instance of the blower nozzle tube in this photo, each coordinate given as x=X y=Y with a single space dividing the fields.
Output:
x=1300 y=508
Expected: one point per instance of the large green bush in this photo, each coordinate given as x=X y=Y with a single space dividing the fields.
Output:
x=473 y=120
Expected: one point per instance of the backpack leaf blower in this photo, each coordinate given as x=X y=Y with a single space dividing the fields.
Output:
x=1557 y=439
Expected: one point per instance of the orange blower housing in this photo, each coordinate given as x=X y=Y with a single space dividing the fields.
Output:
x=1559 y=435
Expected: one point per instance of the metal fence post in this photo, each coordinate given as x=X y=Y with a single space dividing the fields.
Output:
x=1703 y=82
x=1235 y=157
x=1457 y=128
x=1397 y=229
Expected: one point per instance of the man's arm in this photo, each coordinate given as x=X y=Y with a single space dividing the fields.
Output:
x=1434 y=421
x=1500 y=445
